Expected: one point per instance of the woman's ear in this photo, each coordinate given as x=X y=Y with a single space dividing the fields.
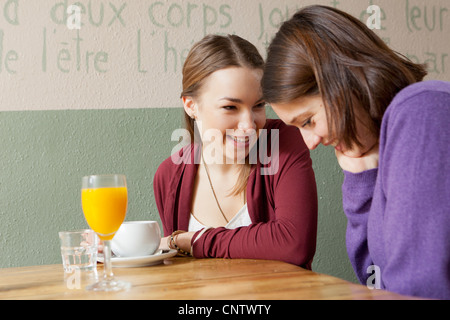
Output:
x=190 y=106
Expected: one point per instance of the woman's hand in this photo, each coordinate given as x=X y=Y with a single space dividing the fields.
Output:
x=357 y=164
x=182 y=240
x=163 y=244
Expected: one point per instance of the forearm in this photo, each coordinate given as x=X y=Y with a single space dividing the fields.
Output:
x=357 y=194
x=273 y=240
x=181 y=240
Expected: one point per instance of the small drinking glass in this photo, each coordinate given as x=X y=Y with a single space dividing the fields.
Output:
x=79 y=250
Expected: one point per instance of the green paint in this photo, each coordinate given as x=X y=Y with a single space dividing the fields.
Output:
x=11 y=12
x=58 y=13
x=173 y=52
x=44 y=51
x=151 y=15
x=436 y=62
x=426 y=17
x=273 y=18
x=45 y=154
x=117 y=14
x=209 y=18
x=176 y=15
x=224 y=10
x=73 y=56
x=101 y=15
x=8 y=57
x=63 y=55
x=139 y=59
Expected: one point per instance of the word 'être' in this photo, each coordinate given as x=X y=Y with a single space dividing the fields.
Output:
x=72 y=57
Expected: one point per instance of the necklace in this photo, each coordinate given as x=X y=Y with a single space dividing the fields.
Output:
x=212 y=188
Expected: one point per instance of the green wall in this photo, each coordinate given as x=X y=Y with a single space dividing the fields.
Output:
x=45 y=154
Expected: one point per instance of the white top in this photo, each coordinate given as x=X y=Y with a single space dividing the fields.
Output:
x=241 y=219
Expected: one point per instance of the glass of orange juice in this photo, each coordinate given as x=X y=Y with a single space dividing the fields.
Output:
x=104 y=201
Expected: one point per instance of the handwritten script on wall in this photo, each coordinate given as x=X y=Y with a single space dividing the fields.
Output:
x=129 y=53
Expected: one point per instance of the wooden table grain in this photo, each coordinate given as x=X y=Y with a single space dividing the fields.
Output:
x=190 y=279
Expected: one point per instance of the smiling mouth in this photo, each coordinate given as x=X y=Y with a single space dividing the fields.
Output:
x=241 y=139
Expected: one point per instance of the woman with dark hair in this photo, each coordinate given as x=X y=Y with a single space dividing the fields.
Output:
x=218 y=197
x=341 y=85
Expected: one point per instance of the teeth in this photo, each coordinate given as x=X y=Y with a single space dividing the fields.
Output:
x=243 y=140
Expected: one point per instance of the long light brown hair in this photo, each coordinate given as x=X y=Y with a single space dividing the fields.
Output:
x=325 y=51
x=213 y=53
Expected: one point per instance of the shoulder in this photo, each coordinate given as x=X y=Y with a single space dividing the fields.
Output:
x=417 y=120
x=421 y=97
x=418 y=88
x=167 y=167
x=165 y=170
x=423 y=104
x=171 y=169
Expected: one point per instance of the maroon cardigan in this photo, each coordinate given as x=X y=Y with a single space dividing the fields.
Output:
x=282 y=206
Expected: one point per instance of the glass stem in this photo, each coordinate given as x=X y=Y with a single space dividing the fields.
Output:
x=108 y=274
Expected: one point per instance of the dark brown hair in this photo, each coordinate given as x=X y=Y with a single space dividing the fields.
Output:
x=213 y=53
x=324 y=51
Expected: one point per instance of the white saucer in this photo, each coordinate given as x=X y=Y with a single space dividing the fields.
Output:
x=142 y=261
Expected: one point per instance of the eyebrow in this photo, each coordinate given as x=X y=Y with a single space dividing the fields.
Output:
x=236 y=100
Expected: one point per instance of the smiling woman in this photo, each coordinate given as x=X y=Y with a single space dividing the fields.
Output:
x=230 y=102
x=224 y=205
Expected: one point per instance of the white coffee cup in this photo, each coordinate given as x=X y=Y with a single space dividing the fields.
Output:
x=136 y=238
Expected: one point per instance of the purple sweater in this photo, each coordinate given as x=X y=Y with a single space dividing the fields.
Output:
x=399 y=214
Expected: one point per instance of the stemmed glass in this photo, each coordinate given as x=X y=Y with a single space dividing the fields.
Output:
x=104 y=202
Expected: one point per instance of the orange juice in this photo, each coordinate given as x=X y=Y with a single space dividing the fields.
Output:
x=104 y=209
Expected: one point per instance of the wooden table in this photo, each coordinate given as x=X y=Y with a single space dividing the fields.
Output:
x=190 y=279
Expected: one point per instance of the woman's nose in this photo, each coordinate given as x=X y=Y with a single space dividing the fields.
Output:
x=312 y=140
x=247 y=122
x=245 y=126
